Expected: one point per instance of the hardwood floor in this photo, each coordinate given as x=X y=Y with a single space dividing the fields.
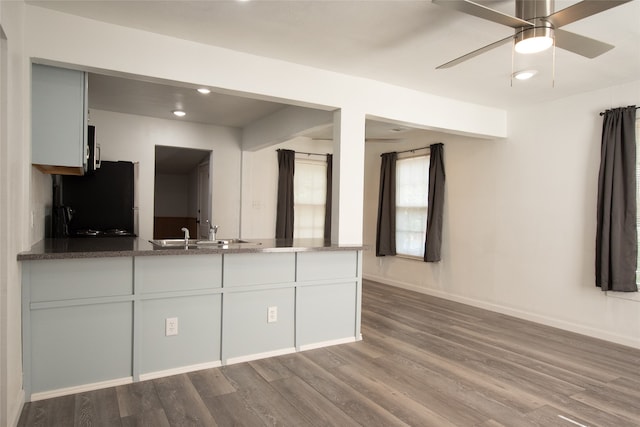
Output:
x=424 y=361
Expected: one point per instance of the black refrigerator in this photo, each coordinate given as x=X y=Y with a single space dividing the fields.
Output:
x=100 y=204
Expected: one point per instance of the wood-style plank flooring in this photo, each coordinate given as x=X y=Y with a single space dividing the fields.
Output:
x=424 y=361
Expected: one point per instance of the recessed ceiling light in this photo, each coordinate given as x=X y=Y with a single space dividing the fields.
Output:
x=524 y=74
x=179 y=113
x=204 y=90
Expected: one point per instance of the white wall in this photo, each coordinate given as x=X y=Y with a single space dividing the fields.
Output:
x=260 y=185
x=15 y=227
x=520 y=215
x=133 y=138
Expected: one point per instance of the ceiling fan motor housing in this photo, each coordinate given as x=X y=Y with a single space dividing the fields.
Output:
x=531 y=9
x=536 y=12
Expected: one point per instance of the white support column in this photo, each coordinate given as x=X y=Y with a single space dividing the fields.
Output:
x=348 y=177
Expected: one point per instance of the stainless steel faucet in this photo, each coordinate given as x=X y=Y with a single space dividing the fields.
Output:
x=213 y=229
x=186 y=235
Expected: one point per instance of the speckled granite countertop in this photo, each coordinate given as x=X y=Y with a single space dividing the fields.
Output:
x=104 y=247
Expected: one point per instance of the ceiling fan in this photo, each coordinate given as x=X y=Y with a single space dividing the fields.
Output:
x=537 y=26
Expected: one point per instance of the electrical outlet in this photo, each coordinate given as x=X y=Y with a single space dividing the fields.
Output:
x=272 y=314
x=171 y=326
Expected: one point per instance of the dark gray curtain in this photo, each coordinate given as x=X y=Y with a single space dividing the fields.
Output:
x=386 y=228
x=284 y=209
x=327 y=204
x=433 y=242
x=616 y=238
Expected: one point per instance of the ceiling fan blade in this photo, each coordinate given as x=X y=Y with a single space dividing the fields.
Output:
x=483 y=12
x=581 y=45
x=582 y=10
x=475 y=53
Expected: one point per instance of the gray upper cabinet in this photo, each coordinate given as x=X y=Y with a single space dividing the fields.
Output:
x=59 y=120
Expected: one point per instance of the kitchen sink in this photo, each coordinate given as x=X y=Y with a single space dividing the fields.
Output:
x=226 y=241
x=194 y=243
x=173 y=243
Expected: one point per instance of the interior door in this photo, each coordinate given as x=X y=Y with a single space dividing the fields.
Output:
x=203 y=201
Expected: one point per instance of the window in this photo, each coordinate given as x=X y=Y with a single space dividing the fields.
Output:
x=412 y=187
x=309 y=195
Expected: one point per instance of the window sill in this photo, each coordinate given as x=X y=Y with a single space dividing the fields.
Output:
x=409 y=257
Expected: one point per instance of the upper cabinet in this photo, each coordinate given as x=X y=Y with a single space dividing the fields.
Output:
x=59 y=120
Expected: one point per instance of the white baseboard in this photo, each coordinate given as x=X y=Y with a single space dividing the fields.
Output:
x=14 y=413
x=256 y=356
x=328 y=343
x=80 y=388
x=180 y=370
x=520 y=314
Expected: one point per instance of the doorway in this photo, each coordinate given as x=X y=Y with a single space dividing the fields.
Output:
x=204 y=200
x=182 y=192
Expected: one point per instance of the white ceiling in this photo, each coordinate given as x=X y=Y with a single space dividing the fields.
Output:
x=134 y=96
x=396 y=41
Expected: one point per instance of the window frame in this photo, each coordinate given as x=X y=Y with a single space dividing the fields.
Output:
x=315 y=162
x=427 y=157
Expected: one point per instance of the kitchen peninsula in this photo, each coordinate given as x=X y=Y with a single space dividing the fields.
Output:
x=108 y=311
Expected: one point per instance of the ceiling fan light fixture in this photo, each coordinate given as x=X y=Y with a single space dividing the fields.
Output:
x=534 y=40
x=534 y=45
x=524 y=74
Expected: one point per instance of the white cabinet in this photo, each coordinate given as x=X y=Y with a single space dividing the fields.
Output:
x=58 y=120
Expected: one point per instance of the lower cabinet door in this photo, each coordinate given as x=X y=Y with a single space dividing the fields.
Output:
x=325 y=313
x=258 y=324
x=197 y=341
x=80 y=345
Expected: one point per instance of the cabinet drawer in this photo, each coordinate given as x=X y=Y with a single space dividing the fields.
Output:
x=258 y=269
x=56 y=280
x=173 y=273
x=326 y=265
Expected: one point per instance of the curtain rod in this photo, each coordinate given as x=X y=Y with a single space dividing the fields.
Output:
x=308 y=154
x=413 y=149
x=408 y=151
x=602 y=112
